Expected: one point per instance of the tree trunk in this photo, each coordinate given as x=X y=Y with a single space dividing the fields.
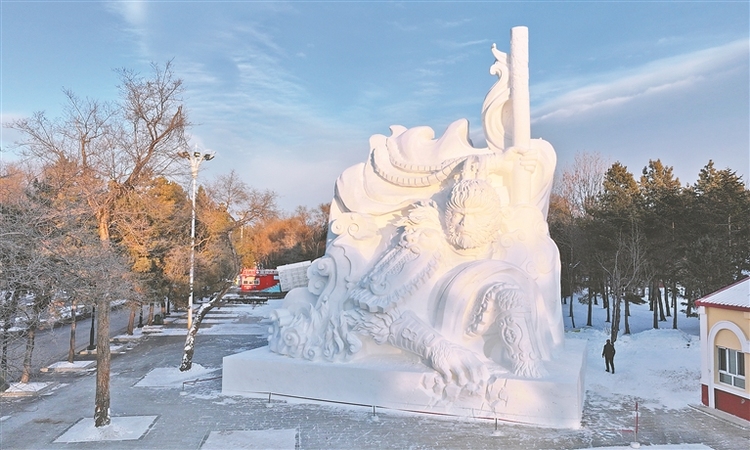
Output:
x=4 y=365
x=131 y=319
x=651 y=296
x=4 y=356
x=9 y=303
x=150 y=313
x=666 y=301
x=674 y=299
x=615 y=319
x=103 y=215
x=26 y=374
x=605 y=300
x=101 y=402
x=654 y=308
x=660 y=305
x=572 y=318
x=189 y=350
x=102 y=396
x=72 y=346
x=590 y=307
x=627 y=314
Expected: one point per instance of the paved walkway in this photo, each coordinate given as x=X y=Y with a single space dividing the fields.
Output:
x=196 y=415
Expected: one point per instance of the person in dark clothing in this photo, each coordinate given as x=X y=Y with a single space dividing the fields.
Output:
x=609 y=355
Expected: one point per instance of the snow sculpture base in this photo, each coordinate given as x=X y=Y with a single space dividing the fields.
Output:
x=397 y=382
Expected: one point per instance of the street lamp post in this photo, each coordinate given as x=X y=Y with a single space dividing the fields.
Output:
x=195 y=158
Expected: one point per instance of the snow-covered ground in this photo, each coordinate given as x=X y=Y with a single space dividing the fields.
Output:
x=660 y=368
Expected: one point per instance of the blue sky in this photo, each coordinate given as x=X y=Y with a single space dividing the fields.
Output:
x=288 y=93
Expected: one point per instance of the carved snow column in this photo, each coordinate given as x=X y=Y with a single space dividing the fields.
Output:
x=519 y=97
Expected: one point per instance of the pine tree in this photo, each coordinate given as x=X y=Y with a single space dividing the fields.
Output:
x=663 y=223
x=718 y=236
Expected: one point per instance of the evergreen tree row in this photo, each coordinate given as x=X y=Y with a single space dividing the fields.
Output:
x=650 y=239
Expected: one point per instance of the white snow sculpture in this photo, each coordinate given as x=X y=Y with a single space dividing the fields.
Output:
x=439 y=255
x=440 y=249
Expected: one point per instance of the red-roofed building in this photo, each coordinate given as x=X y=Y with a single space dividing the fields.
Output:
x=725 y=349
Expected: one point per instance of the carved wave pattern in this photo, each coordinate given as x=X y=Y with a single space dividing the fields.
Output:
x=401 y=179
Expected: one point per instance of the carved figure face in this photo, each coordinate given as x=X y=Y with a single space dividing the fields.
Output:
x=471 y=216
x=469 y=228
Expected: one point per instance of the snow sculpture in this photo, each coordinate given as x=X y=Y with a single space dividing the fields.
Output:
x=471 y=276
x=439 y=256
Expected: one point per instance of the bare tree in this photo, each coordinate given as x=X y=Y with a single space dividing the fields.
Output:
x=110 y=150
x=625 y=267
x=27 y=237
x=244 y=205
x=581 y=182
x=575 y=192
x=187 y=355
x=229 y=206
x=31 y=234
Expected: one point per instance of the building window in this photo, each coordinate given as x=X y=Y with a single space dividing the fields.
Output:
x=732 y=367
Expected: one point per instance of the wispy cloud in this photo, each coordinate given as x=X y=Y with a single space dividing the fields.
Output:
x=257 y=36
x=134 y=12
x=400 y=26
x=567 y=98
x=453 y=45
x=671 y=40
x=249 y=100
x=135 y=15
x=423 y=72
x=449 y=60
x=452 y=23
